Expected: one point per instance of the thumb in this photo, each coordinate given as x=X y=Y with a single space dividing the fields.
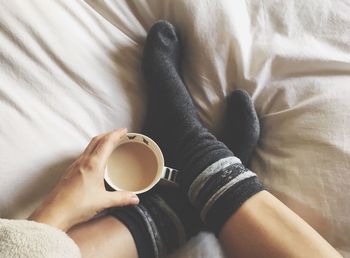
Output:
x=121 y=198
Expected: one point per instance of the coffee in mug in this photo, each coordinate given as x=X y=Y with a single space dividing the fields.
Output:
x=136 y=165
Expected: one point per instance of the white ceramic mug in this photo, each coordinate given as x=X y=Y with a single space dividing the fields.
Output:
x=164 y=174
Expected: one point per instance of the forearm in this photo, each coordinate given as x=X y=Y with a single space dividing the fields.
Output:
x=53 y=216
x=104 y=237
x=265 y=227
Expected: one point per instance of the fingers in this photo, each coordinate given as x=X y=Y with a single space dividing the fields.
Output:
x=92 y=144
x=101 y=146
x=97 y=139
x=120 y=198
x=106 y=144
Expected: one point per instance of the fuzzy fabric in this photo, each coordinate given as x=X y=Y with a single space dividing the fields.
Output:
x=24 y=238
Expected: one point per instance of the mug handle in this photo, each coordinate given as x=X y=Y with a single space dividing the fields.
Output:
x=170 y=175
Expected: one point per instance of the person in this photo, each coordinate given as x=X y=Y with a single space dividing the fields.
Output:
x=215 y=185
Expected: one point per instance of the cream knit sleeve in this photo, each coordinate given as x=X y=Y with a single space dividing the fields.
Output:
x=23 y=238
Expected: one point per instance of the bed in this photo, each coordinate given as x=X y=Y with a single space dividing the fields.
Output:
x=70 y=69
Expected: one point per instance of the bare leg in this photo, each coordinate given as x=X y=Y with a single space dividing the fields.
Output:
x=264 y=227
x=104 y=237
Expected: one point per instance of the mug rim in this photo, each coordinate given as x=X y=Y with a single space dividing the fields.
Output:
x=160 y=167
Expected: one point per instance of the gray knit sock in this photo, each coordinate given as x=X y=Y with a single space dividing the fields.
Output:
x=215 y=181
x=242 y=128
x=161 y=223
x=172 y=119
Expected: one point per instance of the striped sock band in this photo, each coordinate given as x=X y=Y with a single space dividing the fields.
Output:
x=155 y=227
x=220 y=189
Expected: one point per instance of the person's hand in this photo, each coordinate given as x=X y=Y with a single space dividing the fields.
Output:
x=80 y=194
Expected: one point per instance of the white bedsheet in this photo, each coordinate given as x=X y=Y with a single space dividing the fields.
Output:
x=70 y=69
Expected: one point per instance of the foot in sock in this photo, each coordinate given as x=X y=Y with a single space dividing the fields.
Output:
x=172 y=119
x=241 y=126
x=170 y=109
x=214 y=179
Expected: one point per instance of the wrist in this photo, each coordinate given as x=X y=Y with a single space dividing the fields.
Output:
x=52 y=217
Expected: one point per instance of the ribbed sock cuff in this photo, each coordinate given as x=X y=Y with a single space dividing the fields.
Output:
x=230 y=202
x=221 y=189
x=134 y=221
x=155 y=227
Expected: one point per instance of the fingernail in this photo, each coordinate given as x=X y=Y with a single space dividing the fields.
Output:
x=134 y=196
x=135 y=199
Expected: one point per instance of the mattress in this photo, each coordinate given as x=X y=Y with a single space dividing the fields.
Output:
x=70 y=69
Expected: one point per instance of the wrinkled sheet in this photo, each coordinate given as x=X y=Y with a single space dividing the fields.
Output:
x=70 y=69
